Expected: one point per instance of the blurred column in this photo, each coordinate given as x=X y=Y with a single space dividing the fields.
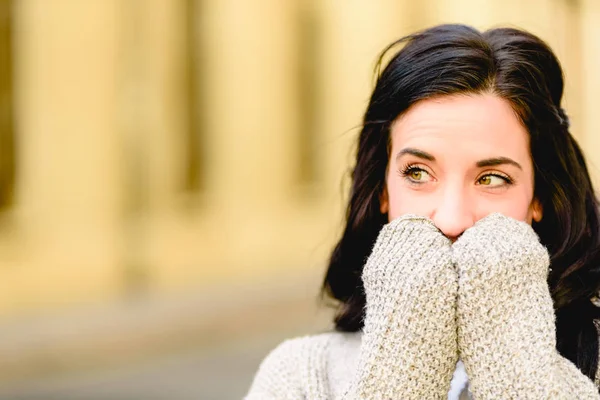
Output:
x=154 y=121
x=250 y=101
x=68 y=189
x=153 y=108
x=590 y=45
x=250 y=95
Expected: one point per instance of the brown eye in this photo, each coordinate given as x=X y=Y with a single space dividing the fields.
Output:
x=416 y=174
x=492 y=180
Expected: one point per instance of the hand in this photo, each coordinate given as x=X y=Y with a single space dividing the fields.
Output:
x=505 y=315
x=409 y=248
x=504 y=246
x=409 y=347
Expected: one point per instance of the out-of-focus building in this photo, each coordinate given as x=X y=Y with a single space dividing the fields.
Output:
x=150 y=148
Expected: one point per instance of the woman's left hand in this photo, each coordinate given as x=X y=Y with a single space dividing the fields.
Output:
x=505 y=315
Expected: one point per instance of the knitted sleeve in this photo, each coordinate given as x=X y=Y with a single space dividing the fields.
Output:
x=408 y=347
x=505 y=316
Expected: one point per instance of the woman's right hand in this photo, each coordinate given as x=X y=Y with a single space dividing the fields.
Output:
x=410 y=250
x=409 y=347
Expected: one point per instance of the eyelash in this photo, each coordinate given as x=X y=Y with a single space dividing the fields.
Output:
x=407 y=169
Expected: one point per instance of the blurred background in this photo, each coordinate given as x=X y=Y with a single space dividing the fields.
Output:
x=173 y=174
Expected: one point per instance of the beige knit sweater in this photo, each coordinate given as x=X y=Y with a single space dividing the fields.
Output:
x=483 y=299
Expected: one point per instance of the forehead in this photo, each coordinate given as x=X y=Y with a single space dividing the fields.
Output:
x=479 y=124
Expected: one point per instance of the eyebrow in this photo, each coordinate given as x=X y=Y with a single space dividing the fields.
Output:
x=488 y=162
x=491 y=162
x=415 y=152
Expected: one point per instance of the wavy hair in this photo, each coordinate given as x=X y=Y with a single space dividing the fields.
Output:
x=519 y=67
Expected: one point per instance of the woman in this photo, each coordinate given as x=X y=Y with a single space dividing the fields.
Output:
x=472 y=236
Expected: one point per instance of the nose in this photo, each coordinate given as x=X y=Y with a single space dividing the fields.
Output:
x=453 y=214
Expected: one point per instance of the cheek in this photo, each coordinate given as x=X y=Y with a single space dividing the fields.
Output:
x=404 y=200
x=514 y=205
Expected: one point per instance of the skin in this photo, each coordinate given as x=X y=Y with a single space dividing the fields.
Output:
x=456 y=159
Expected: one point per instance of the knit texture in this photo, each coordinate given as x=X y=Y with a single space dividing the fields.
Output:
x=408 y=278
x=485 y=299
x=505 y=315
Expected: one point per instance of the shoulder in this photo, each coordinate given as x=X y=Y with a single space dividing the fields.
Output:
x=297 y=367
x=297 y=352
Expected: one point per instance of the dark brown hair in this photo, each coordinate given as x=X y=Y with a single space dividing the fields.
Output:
x=521 y=68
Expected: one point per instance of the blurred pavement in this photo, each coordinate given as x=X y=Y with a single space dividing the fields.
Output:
x=204 y=346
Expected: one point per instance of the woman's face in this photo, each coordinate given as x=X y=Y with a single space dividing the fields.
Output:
x=456 y=159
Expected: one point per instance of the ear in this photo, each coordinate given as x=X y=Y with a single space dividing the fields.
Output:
x=537 y=210
x=384 y=202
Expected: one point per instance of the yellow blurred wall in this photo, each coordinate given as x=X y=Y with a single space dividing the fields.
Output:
x=173 y=145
